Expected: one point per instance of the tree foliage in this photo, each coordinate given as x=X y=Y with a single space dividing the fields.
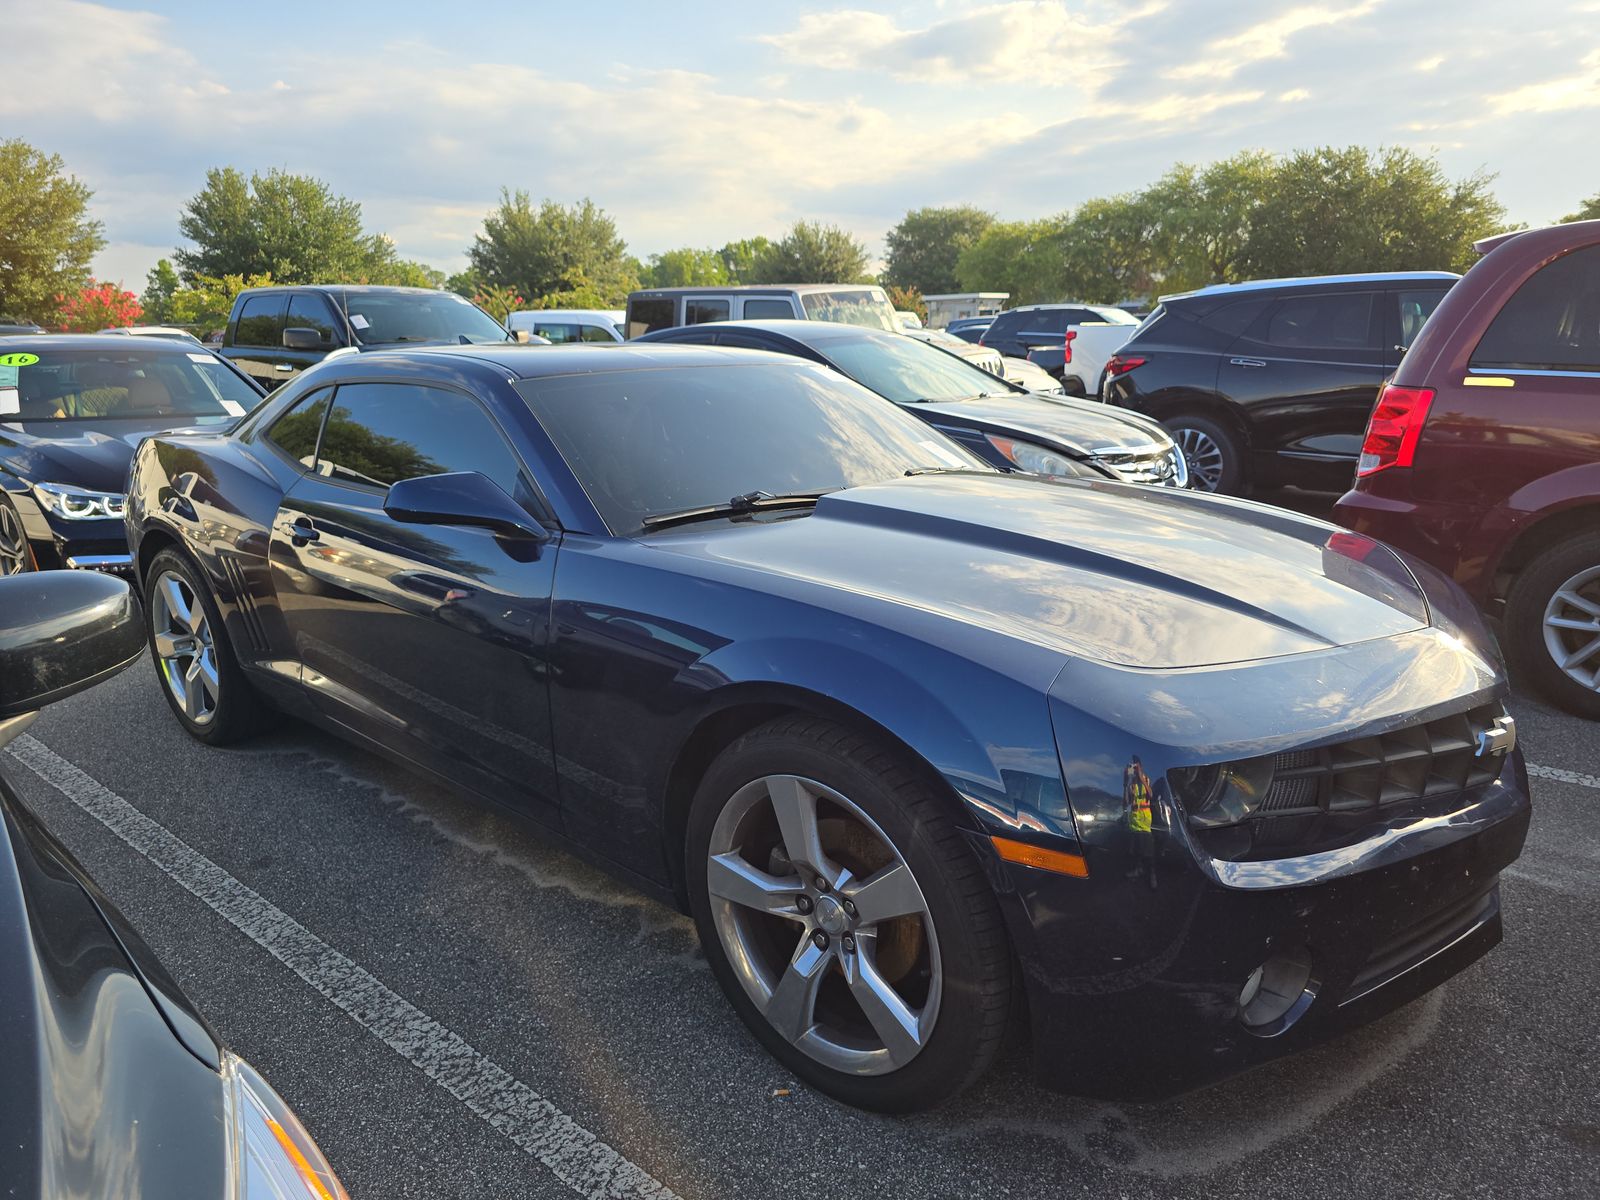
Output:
x=498 y=302
x=47 y=237
x=291 y=227
x=1589 y=211
x=552 y=249
x=811 y=252
x=97 y=306
x=688 y=267
x=1023 y=258
x=206 y=303
x=740 y=258
x=904 y=299
x=161 y=284
x=927 y=244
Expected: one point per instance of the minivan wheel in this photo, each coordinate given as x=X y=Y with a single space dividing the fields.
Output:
x=1216 y=461
x=1553 y=624
x=844 y=916
x=200 y=676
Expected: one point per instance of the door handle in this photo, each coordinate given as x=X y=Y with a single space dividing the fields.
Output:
x=301 y=532
x=1247 y=362
x=284 y=367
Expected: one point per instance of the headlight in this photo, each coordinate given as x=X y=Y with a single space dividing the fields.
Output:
x=79 y=504
x=1222 y=793
x=270 y=1154
x=1040 y=461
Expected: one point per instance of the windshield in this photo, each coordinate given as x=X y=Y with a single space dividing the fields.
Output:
x=657 y=441
x=392 y=318
x=907 y=370
x=98 y=385
x=866 y=306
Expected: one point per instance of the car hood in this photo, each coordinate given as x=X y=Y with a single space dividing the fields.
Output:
x=88 y=454
x=1080 y=427
x=1133 y=576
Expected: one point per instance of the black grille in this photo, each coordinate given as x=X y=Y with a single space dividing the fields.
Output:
x=1432 y=759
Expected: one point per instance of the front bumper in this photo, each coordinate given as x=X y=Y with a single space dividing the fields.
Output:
x=59 y=544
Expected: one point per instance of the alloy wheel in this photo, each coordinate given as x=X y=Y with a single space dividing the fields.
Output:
x=185 y=651
x=824 y=925
x=14 y=557
x=1203 y=455
x=1572 y=628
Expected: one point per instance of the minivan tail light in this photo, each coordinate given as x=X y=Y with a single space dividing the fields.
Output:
x=1394 y=429
x=1121 y=364
x=1066 y=346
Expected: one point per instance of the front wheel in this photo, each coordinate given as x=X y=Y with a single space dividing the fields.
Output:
x=1215 y=458
x=845 y=918
x=15 y=555
x=1553 y=624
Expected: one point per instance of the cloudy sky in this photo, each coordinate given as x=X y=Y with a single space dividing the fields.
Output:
x=696 y=123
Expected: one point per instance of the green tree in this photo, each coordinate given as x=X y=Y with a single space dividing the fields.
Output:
x=464 y=283
x=1354 y=209
x=498 y=302
x=1107 y=250
x=1590 y=210
x=1022 y=258
x=905 y=299
x=1202 y=218
x=812 y=253
x=926 y=245
x=687 y=267
x=160 y=285
x=537 y=251
x=740 y=258
x=207 y=302
x=47 y=237
x=292 y=227
x=405 y=272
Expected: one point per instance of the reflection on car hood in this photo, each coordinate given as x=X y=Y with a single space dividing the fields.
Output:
x=88 y=454
x=1079 y=426
x=1141 y=577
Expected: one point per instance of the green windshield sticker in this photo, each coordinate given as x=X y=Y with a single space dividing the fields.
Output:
x=18 y=360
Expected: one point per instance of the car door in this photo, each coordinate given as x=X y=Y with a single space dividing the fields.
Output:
x=257 y=346
x=428 y=639
x=1305 y=376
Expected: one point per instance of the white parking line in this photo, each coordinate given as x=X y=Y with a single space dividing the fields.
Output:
x=1562 y=776
x=573 y=1155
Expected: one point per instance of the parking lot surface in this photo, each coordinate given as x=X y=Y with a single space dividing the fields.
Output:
x=456 y=1009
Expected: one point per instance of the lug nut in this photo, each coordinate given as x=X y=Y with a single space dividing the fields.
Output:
x=849 y=944
x=820 y=940
x=822 y=884
x=850 y=910
x=803 y=903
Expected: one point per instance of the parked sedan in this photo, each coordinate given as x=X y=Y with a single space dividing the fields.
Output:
x=72 y=408
x=114 y=1086
x=1204 y=782
x=999 y=422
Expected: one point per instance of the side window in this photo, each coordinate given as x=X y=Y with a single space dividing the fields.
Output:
x=380 y=433
x=1553 y=321
x=1005 y=325
x=295 y=432
x=261 y=321
x=742 y=340
x=699 y=311
x=558 y=334
x=593 y=333
x=1332 y=321
x=647 y=316
x=768 y=309
x=309 y=311
x=1233 y=319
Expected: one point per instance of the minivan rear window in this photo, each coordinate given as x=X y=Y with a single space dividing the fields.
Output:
x=1553 y=321
x=647 y=316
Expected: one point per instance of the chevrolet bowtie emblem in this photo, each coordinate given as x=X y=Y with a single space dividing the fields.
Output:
x=1499 y=738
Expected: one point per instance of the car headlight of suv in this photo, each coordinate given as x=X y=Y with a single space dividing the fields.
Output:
x=79 y=504
x=270 y=1154
x=1029 y=457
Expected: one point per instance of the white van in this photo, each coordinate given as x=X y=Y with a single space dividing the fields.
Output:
x=561 y=325
x=844 y=303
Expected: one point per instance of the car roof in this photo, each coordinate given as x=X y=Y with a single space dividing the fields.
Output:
x=785 y=288
x=574 y=358
x=805 y=332
x=352 y=288
x=1317 y=281
x=22 y=342
x=565 y=314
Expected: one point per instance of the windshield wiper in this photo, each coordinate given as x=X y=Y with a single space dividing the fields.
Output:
x=749 y=502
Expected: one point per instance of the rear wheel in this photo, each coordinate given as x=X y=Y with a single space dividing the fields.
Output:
x=1553 y=624
x=1212 y=450
x=845 y=918
x=15 y=556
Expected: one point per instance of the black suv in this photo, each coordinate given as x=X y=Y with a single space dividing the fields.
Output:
x=1272 y=382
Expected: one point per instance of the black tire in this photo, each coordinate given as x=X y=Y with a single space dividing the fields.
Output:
x=1527 y=640
x=16 y=556
x=975 y=965
x=238 y=710
x=1231 y=476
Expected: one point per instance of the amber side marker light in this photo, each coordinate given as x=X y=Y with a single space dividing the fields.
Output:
x=1058 y=861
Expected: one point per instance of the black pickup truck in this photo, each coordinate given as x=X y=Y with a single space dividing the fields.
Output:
x=274 y=333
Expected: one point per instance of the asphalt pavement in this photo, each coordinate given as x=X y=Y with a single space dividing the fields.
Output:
x=456 y=1009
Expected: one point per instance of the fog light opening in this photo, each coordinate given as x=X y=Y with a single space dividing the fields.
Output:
x=1274 y=989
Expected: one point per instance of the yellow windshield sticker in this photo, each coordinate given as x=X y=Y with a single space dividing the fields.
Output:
x=1488 y=381
x=19 y=359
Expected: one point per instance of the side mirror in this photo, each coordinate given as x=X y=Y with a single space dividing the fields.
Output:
x=299 y=338
x=62 y=632
x=461 y=498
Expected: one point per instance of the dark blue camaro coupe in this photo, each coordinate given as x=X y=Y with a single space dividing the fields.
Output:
x=912 y=738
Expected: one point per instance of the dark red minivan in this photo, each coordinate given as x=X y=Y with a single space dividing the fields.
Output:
x=1482 y=455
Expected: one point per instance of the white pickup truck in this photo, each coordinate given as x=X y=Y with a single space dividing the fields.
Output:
x=1070 y=341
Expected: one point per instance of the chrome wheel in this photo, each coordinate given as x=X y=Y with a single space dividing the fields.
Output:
x=824 y=925
x=14 y=557
x=1572 y=628
x=185 y=652
x=1203 y=455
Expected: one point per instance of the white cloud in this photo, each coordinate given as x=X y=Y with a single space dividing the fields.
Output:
x=1579 y=90
x=1224 y=57
x=1294 y=96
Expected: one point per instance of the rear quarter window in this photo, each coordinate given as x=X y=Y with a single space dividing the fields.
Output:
x=647 y=316
x=1552 y=322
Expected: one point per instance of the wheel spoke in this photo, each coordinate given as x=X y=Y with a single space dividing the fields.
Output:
x=194 y=692
x=796 y=809
x=885 y=1011
x=892 y=892
x=173 y=645
x=733 y=879
x=177 y=606
x=1582 y=654
x=1590 y=626
x=1582 y=603
x=792 y=1009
